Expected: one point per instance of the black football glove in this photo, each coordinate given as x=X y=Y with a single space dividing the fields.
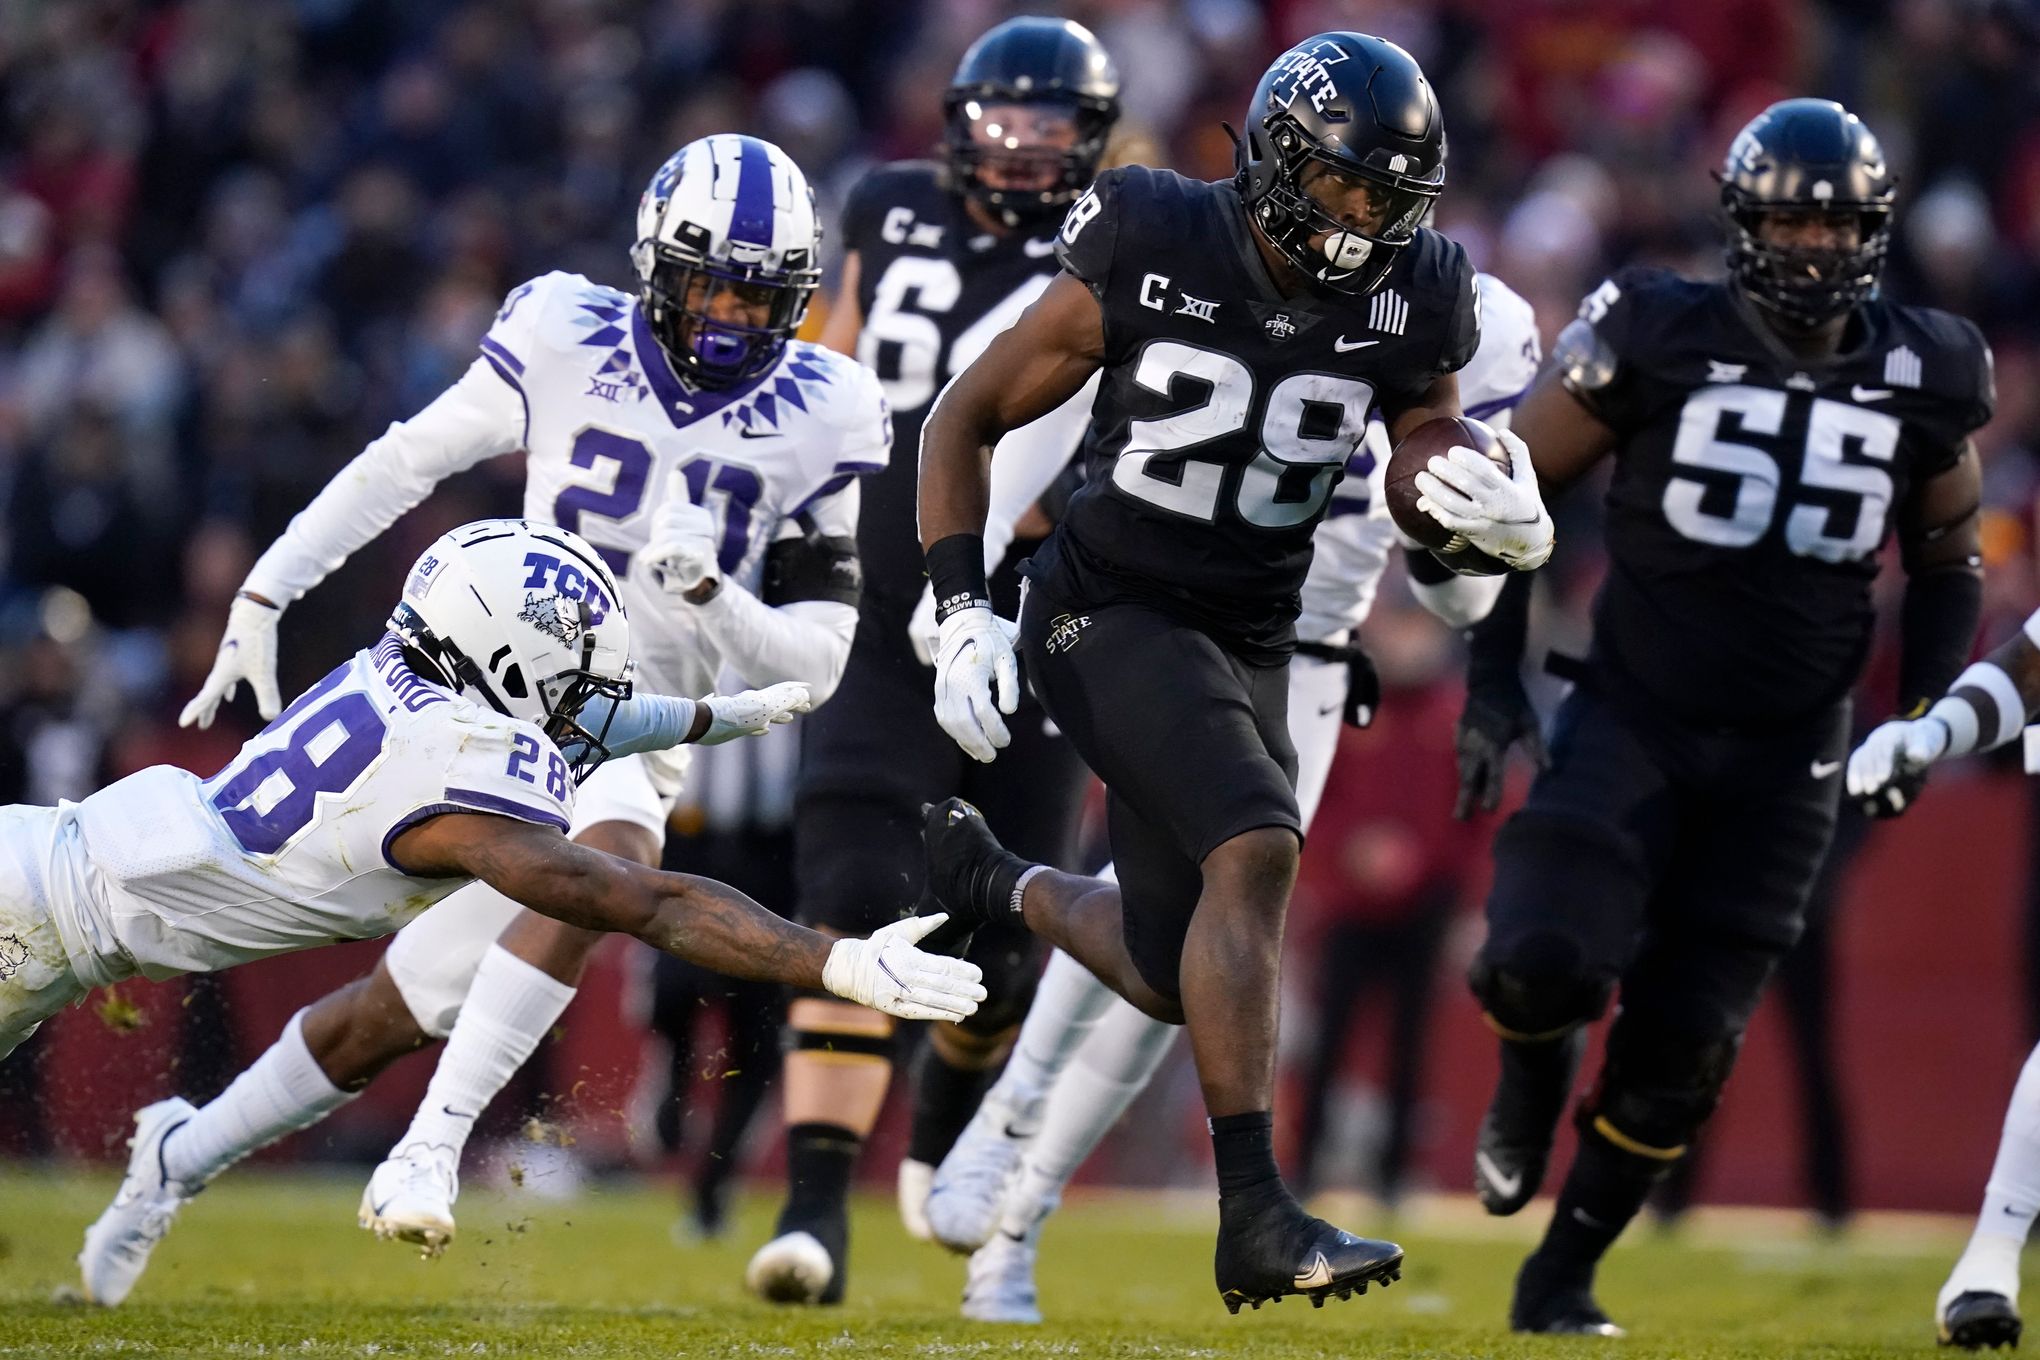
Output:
x=1900 y=793
x=1498 y=714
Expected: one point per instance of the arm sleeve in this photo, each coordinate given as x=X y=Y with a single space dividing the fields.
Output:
x=1937 y=629
x=805 y=639
x=1027 y=462
x=1495 y=645
x=478 y=417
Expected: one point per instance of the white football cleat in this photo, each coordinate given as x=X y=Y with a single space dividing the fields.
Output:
x=1000 y=1284
x=118 y=1244
x=410 y=1198
x=915 y=1180
x=970 y=1185
x=792 y=1268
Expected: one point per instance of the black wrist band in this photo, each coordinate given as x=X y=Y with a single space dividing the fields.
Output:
x=956 y=570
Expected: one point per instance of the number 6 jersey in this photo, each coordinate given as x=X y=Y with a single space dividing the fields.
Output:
x=288 y=847
x=1753 y=489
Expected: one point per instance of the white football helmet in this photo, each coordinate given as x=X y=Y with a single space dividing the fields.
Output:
x=527 y=618
x=728 y=254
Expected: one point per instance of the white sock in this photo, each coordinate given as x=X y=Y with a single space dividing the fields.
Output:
x=510 y=1006
x=1066 y=1007
x=2010 y=1201
x=283 y=1091
x=1113 y=1066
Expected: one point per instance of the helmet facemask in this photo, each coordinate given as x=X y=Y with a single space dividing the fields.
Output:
x=1046 y=149
x=722 y=322
x=1806 y=286
x=1294 y=198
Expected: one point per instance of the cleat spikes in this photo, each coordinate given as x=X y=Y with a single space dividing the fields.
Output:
x=1317 y=1300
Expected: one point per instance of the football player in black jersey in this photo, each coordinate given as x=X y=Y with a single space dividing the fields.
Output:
x=939 y=257
x=1243 y=331
x=1769 y=430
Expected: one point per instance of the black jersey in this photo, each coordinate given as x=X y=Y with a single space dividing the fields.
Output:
x=1752 y=490
x=1227 y=412
x=934 y=288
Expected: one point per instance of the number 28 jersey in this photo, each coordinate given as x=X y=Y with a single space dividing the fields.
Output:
x=288 y=847
x=1752 y=490
x=1228 y=412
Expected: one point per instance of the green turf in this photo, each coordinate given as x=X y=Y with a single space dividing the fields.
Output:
x=270 y=1264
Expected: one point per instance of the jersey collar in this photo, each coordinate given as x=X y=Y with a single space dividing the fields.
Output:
x=1867 y=329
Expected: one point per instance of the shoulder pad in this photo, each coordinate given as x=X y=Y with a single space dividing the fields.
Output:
x=1585 y=360
x=915 y=185
x=557 y=310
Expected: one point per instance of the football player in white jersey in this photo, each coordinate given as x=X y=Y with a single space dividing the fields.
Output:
x=1045 y=1114
x=1988 y=705
x=713 y=461
x=448 y=753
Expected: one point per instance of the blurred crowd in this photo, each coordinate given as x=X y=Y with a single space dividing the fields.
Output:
x=239 y=237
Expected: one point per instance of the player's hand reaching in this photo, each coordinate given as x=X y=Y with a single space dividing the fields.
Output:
x=887 y=973
x=1499 y=512
x=1887 y=772
x=752 y=712
x=680 y=550
x=974 y=654
x=1498 y=714
x=247 y=652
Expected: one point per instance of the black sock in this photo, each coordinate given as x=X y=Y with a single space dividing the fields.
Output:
x=1243 y=1145
x=945 y=1098
x=1603 y=1191
x=819 y=1160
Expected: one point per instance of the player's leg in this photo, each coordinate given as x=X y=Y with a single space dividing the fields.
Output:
x=869 y=758
x=1573 y=871
x=499 y=1001
x=1979 y=1304
x=751 y=1011
x=1754 y=829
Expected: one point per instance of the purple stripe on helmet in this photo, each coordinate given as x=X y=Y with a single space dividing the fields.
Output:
x=751 y=217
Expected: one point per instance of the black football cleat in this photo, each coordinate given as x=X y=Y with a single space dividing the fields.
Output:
x=1978 y=1320
x=1285 y=1251
x=1515 y=1136
x=969 y=873
x=1557 y=1309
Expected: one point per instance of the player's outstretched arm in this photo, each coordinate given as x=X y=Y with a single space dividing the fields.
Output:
x=1025 y=373
x=846 y=318
x=696 y=919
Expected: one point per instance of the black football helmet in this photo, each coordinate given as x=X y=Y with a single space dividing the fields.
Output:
x=1360 y=106
x=1806 y=155
x=1031 y=61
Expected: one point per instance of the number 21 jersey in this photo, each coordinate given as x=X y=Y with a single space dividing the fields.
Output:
x=1228 y=412
x=1752 y=489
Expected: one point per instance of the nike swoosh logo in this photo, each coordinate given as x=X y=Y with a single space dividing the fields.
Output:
x=1823 y=768
x=1318 y=1276
x=1505 y=1186
x=1860 y=393
x=1342 y=344
x=748 y=433
x=456 y=1113
x=1328 y=710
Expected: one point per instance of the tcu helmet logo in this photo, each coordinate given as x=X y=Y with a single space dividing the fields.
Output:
x=552 y=613
x=13 y=955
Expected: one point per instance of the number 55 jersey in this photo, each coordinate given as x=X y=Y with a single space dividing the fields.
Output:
x=286 y=848
x=1753 y=489
x=570 y=373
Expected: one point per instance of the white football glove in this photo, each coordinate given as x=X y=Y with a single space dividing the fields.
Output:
x=1896 y=749
x=247 y=652
x=752 y=712
x=1500 y=513
x=680 y=550
x=888 y=974
x=922 y=631
x=973 y=653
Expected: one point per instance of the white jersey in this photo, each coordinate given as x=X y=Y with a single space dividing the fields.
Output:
x=288 y=847
x=570 y=372
x=1357 y=537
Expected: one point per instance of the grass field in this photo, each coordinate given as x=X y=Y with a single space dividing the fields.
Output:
x=270 y=1264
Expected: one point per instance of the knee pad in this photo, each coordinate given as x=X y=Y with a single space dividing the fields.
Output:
x=1541 y=987
x=1658 y=1087
x=838 y=1031
x=1011 y=963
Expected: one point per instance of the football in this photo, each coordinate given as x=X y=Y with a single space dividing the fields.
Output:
x=1413 y=455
